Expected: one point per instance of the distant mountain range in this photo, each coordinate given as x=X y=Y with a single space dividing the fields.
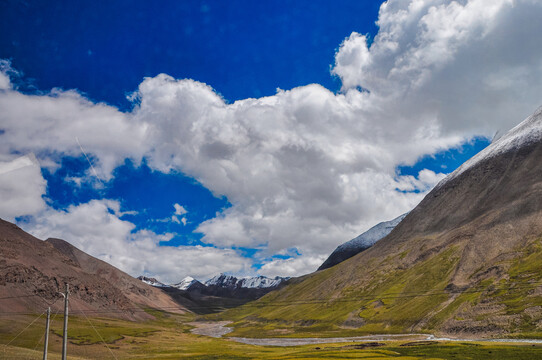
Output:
x=221 y=281
x=464 y=263
x=221 y=291
x=360 y=243
x=255 y=282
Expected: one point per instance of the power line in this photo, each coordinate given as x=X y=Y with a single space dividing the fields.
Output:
x=16 y=336
x=90 y=162
x=39 y=340
x=95 y=330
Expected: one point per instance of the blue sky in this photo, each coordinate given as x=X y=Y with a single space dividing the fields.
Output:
x=189 y=183
x=241 y=48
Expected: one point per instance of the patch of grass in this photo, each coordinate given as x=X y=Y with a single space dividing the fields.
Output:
x=448 y=311
x=477 y=351
x=81 y=332
x=515 y=292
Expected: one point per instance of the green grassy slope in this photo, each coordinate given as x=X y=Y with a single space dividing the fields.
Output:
x=394 y=300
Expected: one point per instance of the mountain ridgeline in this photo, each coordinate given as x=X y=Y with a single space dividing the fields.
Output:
x=361 y=243
x=465 y=262
x=33 y=272
x=218 y=293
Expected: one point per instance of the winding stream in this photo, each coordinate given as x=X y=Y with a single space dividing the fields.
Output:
x=219 y=328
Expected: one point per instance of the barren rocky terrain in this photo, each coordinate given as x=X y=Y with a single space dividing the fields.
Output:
x=33 y=273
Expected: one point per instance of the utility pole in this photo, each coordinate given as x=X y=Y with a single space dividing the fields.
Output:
x=46 y=334
x=65 y=337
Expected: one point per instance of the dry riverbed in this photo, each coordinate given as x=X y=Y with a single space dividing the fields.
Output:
x=214 y=329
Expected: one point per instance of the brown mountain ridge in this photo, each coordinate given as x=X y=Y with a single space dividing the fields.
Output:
x=33 y=272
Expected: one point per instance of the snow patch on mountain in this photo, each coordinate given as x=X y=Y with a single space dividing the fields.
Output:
x=371 y=236
x=527 y=132
x=261 y=282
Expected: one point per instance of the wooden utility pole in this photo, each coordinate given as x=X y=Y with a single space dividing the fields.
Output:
x=46 y=334
x=65 y=337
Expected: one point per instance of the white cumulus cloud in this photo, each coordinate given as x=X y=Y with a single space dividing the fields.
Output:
x=179 y=209
x=96 y=228
x=21 y=186
x=292 y=267
x=470 y=67
x=56 y=123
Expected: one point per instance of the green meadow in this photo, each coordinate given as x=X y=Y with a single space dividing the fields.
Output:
x=169 y=337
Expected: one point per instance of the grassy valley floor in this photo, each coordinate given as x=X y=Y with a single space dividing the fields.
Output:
x=169 y=337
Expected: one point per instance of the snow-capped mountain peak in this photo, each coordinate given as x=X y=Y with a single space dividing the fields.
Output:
x=222 y=280
x=260 y=282
x=152 y=281
x=256 y=282
x=185 y=283
x=527 y=132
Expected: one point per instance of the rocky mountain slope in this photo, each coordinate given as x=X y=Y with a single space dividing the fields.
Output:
x=465 y=262
x=33 y=272
x=361 y=242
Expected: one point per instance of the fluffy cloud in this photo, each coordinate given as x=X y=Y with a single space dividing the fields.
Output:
x=470 y=67
x=307 y=168
x=56 y=123
x=5 y=83
x=304 y=168
x=179 y=209
x=21 y=186
x=96 y=228
x=292 y=267
x=425 y=181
